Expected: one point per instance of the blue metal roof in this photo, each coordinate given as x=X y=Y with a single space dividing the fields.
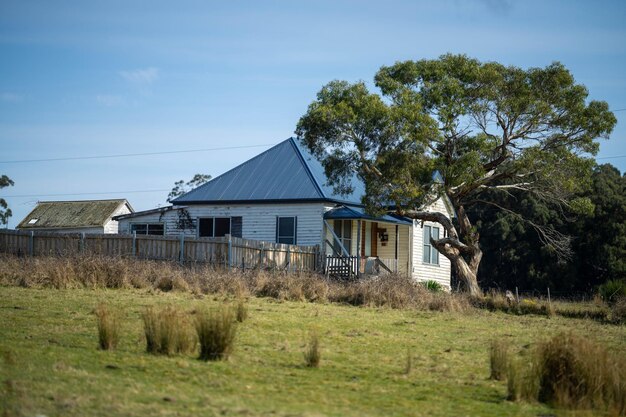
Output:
x=344 y=212
x=286 y=172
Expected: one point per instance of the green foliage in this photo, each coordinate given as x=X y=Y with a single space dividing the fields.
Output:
x=5 y=211
x=433 y=286
x=181 y=187
x=515 y=256
x=489 y=130
x=612 y=290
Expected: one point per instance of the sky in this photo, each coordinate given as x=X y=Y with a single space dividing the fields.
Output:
x=229 y=79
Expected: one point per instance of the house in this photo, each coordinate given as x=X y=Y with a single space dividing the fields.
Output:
x=86 y=216
x=281 y=196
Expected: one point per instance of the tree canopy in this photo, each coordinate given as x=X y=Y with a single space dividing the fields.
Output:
x=5 y=211
x=486 y=128
x=181 y=187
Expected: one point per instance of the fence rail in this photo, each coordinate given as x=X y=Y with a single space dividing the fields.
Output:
x=230 y=252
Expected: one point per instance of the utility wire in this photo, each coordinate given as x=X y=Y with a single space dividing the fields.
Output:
x=74 y=158
x=106 y=192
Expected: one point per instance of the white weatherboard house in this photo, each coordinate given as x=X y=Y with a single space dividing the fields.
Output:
x=281 y=196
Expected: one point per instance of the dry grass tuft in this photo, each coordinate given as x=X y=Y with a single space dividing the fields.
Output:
x=312 y=353
x=167 y=331
x=216 y=331
x=571 y=372
x=498 y=359
x=241 y=311
x=108 y=327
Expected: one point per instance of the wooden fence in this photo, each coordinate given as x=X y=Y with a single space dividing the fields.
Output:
x=230 y=252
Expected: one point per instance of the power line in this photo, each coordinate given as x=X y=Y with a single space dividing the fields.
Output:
x=611 y=157
x=74 y=158
x=68 y=194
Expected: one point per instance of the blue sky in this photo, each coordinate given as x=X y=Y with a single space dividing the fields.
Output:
x=83 y=78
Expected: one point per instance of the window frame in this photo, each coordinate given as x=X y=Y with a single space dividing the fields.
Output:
x=230 y=225
x=147 y=226
x=433 y=253
x=294 y=236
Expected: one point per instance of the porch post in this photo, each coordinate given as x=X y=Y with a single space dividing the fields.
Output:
x=358 y=248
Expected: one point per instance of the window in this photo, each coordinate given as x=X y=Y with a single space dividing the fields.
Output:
x=220 y=226
x=286 y=230
x=431 y=255
x=343 y=230
x=148 y=228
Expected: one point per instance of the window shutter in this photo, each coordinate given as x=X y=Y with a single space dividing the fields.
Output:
x=276 y=239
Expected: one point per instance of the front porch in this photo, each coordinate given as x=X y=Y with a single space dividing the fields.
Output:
x=357 y=244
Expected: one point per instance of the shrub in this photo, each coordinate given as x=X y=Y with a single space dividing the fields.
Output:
x=216 y=333
x=108 y=327
x=572 y=372
x=612 y=290
x=312 y=353
x=167 y=331
x=433 y=286
x=498 y=359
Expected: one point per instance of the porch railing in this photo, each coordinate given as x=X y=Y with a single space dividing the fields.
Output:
x=349 y=267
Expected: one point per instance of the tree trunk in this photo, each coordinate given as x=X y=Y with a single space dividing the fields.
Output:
x=467 y=274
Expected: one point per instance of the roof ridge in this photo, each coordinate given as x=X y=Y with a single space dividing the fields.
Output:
x=230 y=170
x=292 y=140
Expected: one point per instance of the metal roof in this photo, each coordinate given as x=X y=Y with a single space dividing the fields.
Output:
x=286 y=172
x=71 y=214
x=344 y=212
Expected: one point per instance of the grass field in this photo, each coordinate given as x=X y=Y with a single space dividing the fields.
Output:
x=50 y=364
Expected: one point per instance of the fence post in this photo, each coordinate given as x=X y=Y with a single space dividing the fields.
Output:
x=31 y=243
x=181 y=254
x=288 y=258
x=82 y=242
x=230 y=252
x=261 y=255
x=134 y=250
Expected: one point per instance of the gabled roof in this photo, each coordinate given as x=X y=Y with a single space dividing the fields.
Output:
x=286 y=172
x=71 y=214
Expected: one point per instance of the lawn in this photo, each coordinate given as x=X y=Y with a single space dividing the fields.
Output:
x=50 y=364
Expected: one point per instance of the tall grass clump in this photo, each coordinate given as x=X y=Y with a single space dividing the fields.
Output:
x=241 y=311
x=216 y=331
x=572 y=372
x=312 y=352
x=498 y=359
x=167 y=331
x=108 y=327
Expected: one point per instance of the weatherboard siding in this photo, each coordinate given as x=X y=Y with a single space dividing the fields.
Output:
x=111 y=226
x=258 y=220
x=423 y=271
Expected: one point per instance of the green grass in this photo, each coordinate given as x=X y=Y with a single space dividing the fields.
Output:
x=50 y=363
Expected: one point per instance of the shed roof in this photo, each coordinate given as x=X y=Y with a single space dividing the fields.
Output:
x=71 y=214
x=286 y=172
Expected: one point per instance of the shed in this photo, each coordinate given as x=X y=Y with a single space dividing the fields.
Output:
x=85 y=216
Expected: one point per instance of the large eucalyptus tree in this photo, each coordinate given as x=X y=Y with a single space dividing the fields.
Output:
x=483 y=127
